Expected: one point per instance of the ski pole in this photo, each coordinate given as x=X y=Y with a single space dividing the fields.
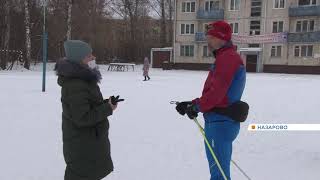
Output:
x=210 y=148
x=242 y=171
x=214 y=156
x=207 y=143
x=212 y=153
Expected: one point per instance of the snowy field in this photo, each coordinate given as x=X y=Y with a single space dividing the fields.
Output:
x=150 y=141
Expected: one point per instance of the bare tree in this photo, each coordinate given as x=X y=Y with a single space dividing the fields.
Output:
x=69 y=19
x=7 y=24
x=131 y=11
x=170 y=4
x=123 y=28
x=28 y=36
x=164 y=9
x=163 y=28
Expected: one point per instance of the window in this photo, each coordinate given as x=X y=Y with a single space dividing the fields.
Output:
x=187 y=50
x=234 y=28
x=297 y=51
x=256 y=8
x=310 y=51
x=303 y=51
x=183 y=28
x=183 y=7
x=255 y=28
x=211 y=5
x=276 y=51
x=187 y=29
x=188 y=6
x=277 y=27
x=307 y=2
x=311 y=25
x=279 y=4
x=234 y=5
x=305 y=26
x=207 y=52
x=298 y=26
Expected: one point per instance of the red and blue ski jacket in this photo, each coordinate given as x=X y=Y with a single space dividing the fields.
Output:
x=225 y=82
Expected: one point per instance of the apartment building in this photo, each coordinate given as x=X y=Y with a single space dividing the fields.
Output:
x=280 y=36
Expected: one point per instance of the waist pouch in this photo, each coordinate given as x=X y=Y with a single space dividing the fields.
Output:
x=237 y=111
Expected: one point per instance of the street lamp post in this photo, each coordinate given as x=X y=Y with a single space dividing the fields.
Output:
x=44 y=46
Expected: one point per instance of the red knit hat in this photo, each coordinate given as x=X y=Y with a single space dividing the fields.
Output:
x=220 y=29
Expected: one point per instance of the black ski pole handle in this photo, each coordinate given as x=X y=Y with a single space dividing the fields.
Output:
x=174 y=102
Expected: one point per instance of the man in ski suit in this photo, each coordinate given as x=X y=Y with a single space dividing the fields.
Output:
x=223 y=87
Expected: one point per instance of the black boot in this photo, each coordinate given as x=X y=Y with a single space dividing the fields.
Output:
x=148 y=78
x=145 y=78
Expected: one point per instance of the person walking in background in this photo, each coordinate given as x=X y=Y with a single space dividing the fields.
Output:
x=146 y=67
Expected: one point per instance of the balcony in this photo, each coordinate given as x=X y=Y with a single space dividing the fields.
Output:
x=200 y=37
x=296 y=11
x=214 y=14
x=304 y=37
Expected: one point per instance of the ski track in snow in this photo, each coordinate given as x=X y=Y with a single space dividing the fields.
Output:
x=149 y=140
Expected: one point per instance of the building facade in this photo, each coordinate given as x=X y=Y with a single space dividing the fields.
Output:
x=298 y=20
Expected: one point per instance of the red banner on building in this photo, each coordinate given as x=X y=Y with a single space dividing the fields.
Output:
x=257 y=39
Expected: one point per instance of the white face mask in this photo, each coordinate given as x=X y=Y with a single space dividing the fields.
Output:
x=92 y=64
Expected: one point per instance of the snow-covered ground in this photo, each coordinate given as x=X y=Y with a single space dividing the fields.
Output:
x=150 y=141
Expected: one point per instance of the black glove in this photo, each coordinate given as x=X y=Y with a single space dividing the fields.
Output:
x=182 y=107
x=192 y=111
x=114 y=100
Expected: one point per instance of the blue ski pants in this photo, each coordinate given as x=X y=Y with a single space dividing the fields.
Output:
x=220 y=131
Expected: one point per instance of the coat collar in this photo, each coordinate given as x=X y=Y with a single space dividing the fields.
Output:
x=228 y=45
x=70 y=70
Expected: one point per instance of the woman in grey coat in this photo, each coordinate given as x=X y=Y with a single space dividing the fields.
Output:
x=146 y=67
